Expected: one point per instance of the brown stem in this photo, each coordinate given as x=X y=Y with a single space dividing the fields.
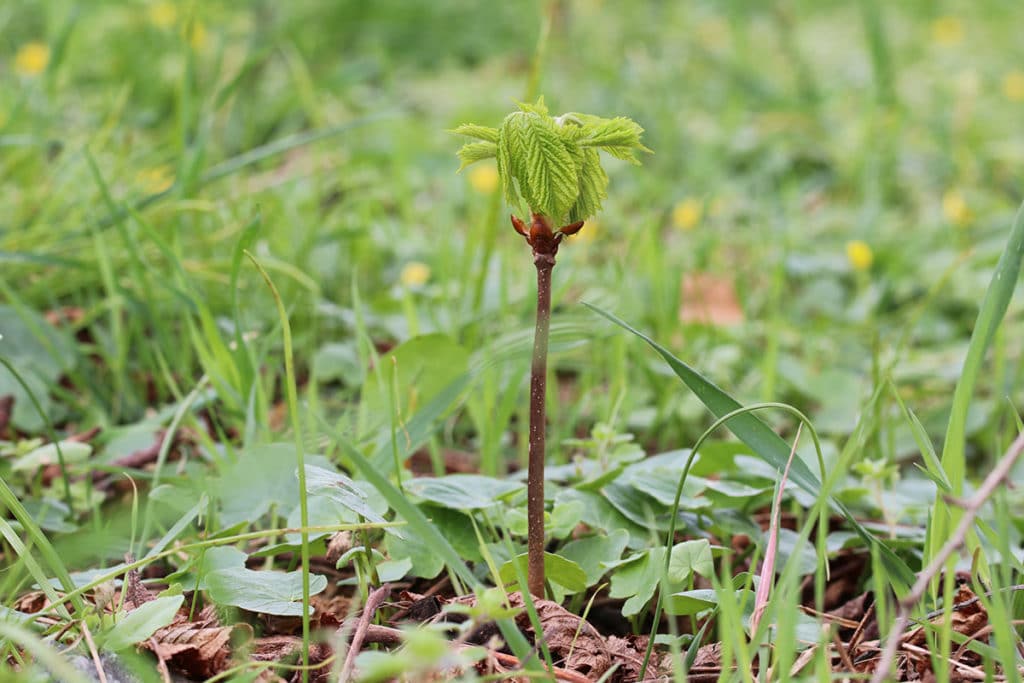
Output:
x=538 y=393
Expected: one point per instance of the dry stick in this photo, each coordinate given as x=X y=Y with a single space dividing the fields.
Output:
x=373 y=601
x=971 y=508
x=538 y=388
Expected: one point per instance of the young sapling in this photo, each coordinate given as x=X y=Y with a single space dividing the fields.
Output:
x=551 y=164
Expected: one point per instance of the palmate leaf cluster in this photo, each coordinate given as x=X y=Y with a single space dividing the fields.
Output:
x=552 y=163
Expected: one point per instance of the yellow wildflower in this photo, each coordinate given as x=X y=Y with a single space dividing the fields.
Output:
x=955 y=209
x=195 y=34
x=163 y=14
x=947 y=31
x=156 y=179
x=484 y=178
x=32 y=59
x=1013 y=86
x=415 y=274
x=686 y=214
x=859 y=255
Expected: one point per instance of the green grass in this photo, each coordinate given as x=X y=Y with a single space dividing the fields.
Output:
x=139 y=166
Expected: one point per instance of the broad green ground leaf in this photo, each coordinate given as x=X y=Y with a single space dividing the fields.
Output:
x=214 y=559
x=265 y=592
x=142 y=622
x=36 y=459
x=419 y=524
x=262 y=476
x=637 y=579
x=558 y=570
x=415 y=372
x=688 y=558
x=342 y=490
x=425 y=563
x=462 y=491
x=41 y=353
x=593 y=552
x=564 y=518
x=599 y=514
x=686 y=603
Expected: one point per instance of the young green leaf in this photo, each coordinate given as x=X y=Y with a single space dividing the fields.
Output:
x=472 y=130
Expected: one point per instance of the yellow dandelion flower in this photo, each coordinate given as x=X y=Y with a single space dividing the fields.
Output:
x=947 y=31
x=163 y=14
x=32 y=59
x=955 y=209
x=156 y=179
x=1013 y=86
x=415 y=274
x=484 y=178
x=859 y=255
x=686 y=214
x=195 y=34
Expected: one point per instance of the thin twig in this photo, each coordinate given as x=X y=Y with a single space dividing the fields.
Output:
x=372 y=603
x=971 y=508
x=87 y=634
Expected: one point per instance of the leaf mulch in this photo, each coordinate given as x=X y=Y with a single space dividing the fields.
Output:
x=202 y=646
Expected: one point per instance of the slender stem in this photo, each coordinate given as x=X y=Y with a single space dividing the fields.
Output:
x=538 y=393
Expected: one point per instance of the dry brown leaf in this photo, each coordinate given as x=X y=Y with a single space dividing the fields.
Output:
x=709 y=299
x=575 y=643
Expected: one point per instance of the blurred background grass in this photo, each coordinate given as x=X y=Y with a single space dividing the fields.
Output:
x=821 y=165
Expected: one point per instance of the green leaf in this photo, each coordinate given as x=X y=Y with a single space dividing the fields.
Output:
x=472 y=130
x=551 y=185
x=142 y=622
x=418 y=522
x=619 y=136
x=422 y=368
x=462 y=491
x=425 y=563
x=593 y=552
x=687 y=603
x=690 y=557
x=341 y=490
x=262 y=476
x=557 y=570
x=277 y=593
x=37 y=458
x=476 y=151
x=593 y=186
x=637 y=579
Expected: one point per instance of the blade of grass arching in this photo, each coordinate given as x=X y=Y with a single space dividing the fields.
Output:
x=764 y=442
x=43 y=653
x=418 y=522
x=300 y=456
x=945 y=516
